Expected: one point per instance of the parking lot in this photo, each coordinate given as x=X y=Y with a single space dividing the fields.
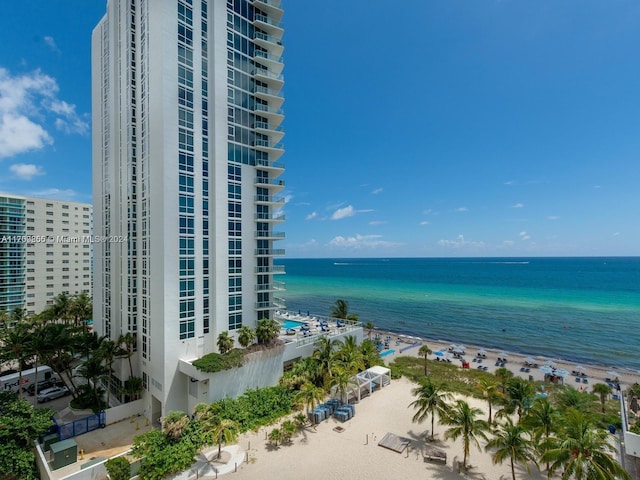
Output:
x=56 y=405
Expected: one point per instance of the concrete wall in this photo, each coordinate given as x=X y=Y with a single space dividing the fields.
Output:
x=115 y=414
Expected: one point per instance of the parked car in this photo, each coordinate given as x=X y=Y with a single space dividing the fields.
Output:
x=52 y=393
x=42 y=384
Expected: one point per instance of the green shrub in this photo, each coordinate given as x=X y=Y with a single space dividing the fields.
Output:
x=118 y=468
x=216 y=362
x=256 y=408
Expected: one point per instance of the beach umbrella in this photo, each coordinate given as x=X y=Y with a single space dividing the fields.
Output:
x=439 y=353
x=529 y=360
x=561 y=372
x=482 y=351
x=613 y=373
x=579 y=367
x=550 y=363
x=546 y=369
x=503 y=354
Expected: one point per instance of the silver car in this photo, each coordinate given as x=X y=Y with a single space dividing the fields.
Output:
x=52 y=393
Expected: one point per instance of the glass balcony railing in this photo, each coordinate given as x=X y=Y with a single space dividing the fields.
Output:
x=270 y=269
x=269 y=251
x=273 y=3
x=270 y=217
x=267 y=56
x=267 y=38
x=268 y=199
x=268 y=91
x=267 y=20
x=266 y=234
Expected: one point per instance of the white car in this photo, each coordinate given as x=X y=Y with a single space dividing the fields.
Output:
x=52 y=393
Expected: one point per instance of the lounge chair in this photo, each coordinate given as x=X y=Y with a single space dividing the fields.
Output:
x=577 y=380
x=584 y=380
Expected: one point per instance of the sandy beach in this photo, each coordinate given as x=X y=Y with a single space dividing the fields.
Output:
x=515 y=361
x=354 y=453
x=328 y=454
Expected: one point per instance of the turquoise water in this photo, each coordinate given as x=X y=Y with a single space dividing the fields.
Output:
x=583 y=309
x=292 y=324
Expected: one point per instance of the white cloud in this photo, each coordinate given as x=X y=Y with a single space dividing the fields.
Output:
x=26 y=101
x=553 y=217
x=616 y=234
x=360 y=241
x=343 y=213
x=517 y=205
x=377 y=222
x=424 y=222
x=26 y=171
x=524 y=236
x=459 y=242
x=55 y=193
x=510 y=182
x=51 y=43
x=462 y=209
x=377 y=191
x=508 y=243
x=311 y=216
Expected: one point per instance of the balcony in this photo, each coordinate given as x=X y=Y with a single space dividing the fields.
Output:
x=271 y=287
x=275 y=269
x=269 y=25
x=270 y=252
x=275 y=116
x=274 y=133
x=269 y=200
x=275 y=185
x=274 y=97
x=268 y=235
x=269 y=217
x=276 y=168
x=272 y=7
x=269 y=43
x=274 y=151
x=274 y=63
x=273 y=79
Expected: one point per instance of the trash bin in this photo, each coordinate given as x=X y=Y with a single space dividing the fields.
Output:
x=612 y=429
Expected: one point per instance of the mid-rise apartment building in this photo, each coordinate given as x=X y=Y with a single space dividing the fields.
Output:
x=45 y=250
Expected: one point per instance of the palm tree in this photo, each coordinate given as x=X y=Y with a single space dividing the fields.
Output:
x=128 y=342
x=300 y=420
x=370 y=328
x=267 y=330
x=570 y=398
x=519 y=396
x=341 y=310
x=94 y=371
x=275 y=436
x=490 y=393
x=350 y=356
x=225 y=342
x=464 y=424
x=425 y=351
x=15 y=346
x=246 y=336
x=109 y=351
x=175 y=424
x=509 y=441
x=503 y=374
x=80 y=308
x=224 y=431
x=343 y=380
x=309 y=395
x=432 y=399
x=541 y=418
x=370 y=354
x=325 y=356
x=603 y=390
x=582 y=451
x=62 y=307
x=288 y=429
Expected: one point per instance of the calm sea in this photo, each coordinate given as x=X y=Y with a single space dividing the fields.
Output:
x=582 y=309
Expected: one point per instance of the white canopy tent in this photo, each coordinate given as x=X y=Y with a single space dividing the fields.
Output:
x=367 y=381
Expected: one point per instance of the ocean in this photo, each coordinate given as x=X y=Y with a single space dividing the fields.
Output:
x=578 y=309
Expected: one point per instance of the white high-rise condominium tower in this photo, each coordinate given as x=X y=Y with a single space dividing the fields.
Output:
x=186 y=140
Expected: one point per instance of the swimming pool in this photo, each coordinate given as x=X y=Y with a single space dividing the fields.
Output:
x=387 y=352
x=292 y=324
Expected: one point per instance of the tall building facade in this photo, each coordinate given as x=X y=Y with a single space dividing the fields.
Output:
x=45 y=250
x=186 y=141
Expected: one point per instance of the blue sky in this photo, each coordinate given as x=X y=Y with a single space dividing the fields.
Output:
x=440 y=128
